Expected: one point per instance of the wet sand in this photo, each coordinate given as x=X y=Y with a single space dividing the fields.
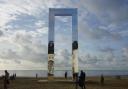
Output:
x=91 y=83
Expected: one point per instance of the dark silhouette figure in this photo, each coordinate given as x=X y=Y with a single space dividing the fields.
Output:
x=66 y=74
x=12 y=77
x=73 y=76
x=82 y=80
x=102 y=79
x=6 y=80
x=118 y=77
x=36 y=75
x=15 y=75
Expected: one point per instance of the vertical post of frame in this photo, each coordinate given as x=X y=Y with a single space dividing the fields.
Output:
x=51 y=45
x=75 y=45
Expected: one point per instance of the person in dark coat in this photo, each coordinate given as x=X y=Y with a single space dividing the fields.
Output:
x=102 y=79
x=66 y=75
x=6 y=80
x=36 y=75
x=15 y=75
x=82 y=80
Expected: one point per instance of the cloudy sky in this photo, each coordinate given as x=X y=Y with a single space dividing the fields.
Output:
x=102 y=34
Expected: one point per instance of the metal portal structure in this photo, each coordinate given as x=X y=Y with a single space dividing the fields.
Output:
x=62 y=12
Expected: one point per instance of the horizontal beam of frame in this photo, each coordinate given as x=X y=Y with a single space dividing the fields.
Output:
x=63 y=11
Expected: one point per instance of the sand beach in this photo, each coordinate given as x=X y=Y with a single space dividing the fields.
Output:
x=61 y=83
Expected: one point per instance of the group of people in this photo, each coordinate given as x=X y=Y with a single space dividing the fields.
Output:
x=13 y=77
x=79 y=80
x=6 y=79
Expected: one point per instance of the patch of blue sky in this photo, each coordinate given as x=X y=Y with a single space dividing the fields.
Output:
x=23 y=21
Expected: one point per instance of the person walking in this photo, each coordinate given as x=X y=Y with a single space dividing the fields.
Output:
x=82 y=80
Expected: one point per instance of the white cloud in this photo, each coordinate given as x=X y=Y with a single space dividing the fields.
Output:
x=27 y=47
x=11 y=9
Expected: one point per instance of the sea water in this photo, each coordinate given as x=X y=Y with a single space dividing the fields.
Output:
x=60 y=73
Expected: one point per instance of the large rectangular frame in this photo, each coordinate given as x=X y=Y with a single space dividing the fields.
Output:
x=62 y=12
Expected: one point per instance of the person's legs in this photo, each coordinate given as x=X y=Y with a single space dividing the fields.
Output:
x=5 y=85
x=84 y=86
x=81 y=87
